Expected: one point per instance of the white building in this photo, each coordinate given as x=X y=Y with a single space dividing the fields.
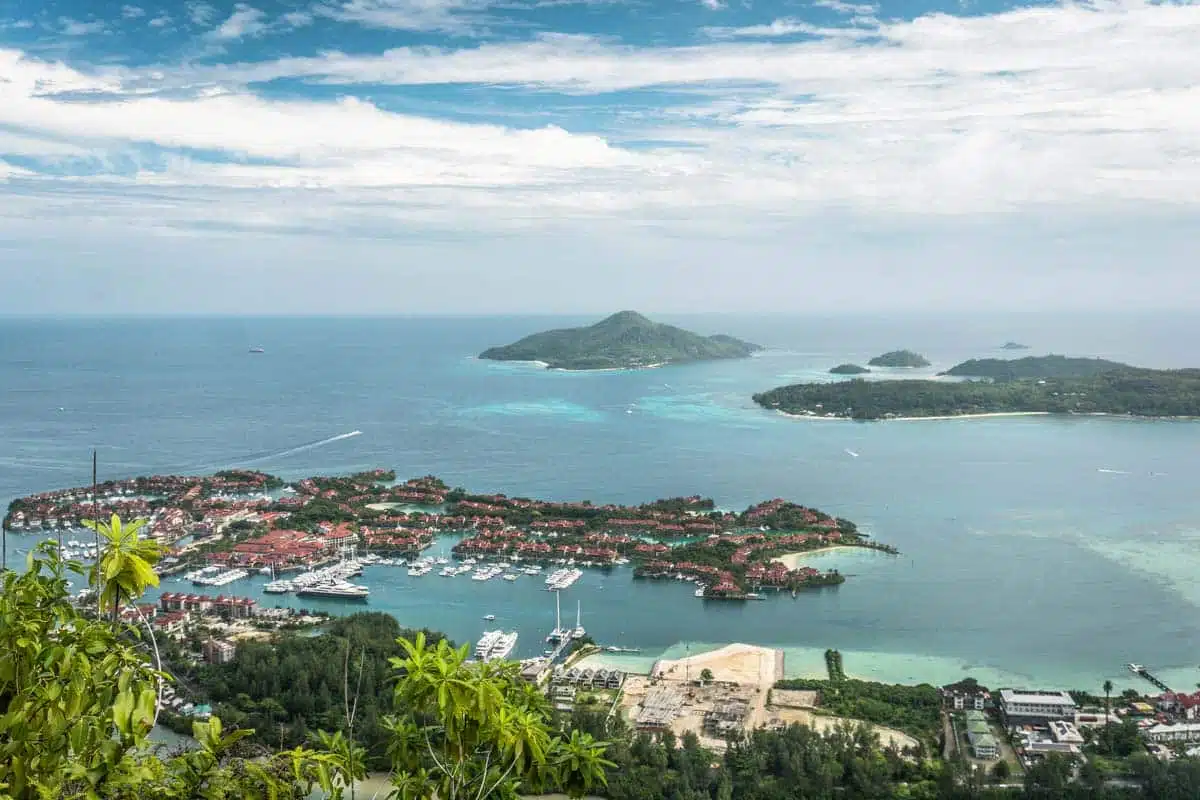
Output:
x=1189 y=732
x=1065 y=732
x=1036 y=707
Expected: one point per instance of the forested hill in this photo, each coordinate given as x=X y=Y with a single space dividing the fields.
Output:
x=1002 y=369
x=1135 y=392
x=626 y=340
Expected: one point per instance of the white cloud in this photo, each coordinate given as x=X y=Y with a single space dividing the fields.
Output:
x=200 y=13
x=297 y=19
x=849 y=9
x=777 y=28
x=244 y=21
x=161 y=21
x=1032 y=110
x=713 y=5
x=448 y=16
x=74 y=27
x=132 y=12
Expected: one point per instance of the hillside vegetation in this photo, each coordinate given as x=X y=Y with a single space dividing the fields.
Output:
x=1050 y=384
x=626 y=340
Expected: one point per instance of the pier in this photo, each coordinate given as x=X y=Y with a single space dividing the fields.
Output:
x=1139 y=670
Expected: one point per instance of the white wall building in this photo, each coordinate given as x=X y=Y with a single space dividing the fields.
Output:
x=1189 y=732
x=1032 y=706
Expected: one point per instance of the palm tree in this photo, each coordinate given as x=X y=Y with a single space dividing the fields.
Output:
x=124 y=563
x=1108 y=687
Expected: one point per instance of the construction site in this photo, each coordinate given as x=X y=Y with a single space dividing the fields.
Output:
x=726 y=692
x=713 y=695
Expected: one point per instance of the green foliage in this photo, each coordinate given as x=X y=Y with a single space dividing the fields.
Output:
x=78 y=698
x=899 y=358
x=1139 y=392
x=476 y=729
x=848 y=369
x=125 y=567
x=288 y=689
x=706 y=675
x=623 y=340
x=913 y=709
x=1002 y=369
x=1120 y=740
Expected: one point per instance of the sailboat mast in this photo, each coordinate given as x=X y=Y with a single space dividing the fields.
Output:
x=577 y=603
x=557 y=611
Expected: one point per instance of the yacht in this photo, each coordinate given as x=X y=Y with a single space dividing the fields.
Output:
x=511 y=577
x=504 y=645
x=278 y=587
x=578 y=632
x=485 y=644
x=489 y=617
x=336 y=589
x=699 y=590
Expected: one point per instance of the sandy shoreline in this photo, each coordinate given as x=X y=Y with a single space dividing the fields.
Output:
x=990 y=414
x=795 y=560
x=735 y=663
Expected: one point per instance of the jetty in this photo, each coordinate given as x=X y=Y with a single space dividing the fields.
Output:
x=1139 y=670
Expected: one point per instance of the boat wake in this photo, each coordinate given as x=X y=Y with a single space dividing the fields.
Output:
x=1112 y=471
x=851 y=453
x=256 y=458
x=310 y=445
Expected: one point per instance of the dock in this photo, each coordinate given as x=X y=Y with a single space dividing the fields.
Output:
x=1139 y=670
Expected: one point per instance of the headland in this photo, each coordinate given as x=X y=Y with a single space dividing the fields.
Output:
x=626 y=340
x=223 y=528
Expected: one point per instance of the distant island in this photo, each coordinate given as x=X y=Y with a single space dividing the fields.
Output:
x=848 y=369
x=626 y=340
x=899 y=358
x=1014 y=346
x=1033 y=367
x=1035 y=385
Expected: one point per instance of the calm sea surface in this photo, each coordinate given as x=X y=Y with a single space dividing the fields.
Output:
x=1034 y=550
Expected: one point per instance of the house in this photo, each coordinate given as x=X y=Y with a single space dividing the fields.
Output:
x=1035 y=706
x=965 y=695
x=219 y=651
x=979 y=734
x=1187 y=732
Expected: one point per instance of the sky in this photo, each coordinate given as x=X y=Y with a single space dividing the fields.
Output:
x=480 y=156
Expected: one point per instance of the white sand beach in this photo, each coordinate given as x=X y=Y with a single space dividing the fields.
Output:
x=745 y=664
x=796 y=560
x=987 y=415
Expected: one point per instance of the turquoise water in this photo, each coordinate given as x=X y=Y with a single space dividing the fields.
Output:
x=1021 y=560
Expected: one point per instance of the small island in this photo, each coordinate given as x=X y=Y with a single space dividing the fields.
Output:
x=626 y=340
x=1035 y=385
x=899 y=358
x=848 y=369
x=1010 y=345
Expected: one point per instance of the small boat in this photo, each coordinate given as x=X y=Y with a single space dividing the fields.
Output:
x=489 y=617
x=257 y=350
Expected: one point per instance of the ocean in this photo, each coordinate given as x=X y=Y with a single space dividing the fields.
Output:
x=1034 y=551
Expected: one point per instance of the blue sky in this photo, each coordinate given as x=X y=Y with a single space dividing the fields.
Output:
x=582 y=155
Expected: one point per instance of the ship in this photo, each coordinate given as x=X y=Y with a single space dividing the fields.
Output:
x=495 y=645
x=340 y=590
x=257 y=350
x=278 y=587
x=559 y=633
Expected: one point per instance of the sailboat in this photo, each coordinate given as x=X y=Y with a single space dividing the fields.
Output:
x=579 y=632
x=559 y=633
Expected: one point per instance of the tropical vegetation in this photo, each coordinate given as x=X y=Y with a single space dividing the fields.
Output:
x=899 y=358
x=848 y=369
x=1052 y=366
x=625 y=340
x=1129 y=391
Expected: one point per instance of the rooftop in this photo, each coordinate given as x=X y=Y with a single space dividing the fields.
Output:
x=1036 y=697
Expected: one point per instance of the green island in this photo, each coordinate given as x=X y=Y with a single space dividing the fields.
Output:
x=899 y=358
x=848 y=369
x=1011 y=345
x=625 y=340
x=1034 y=385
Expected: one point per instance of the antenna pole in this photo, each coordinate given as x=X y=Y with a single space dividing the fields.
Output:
x=96 y=530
